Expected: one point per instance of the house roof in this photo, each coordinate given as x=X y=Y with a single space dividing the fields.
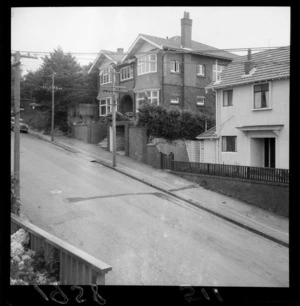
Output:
x=211 y=133
x=175 y=44
x=114 y=57
x=270 y=64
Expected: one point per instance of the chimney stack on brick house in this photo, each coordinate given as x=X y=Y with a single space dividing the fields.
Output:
x=186 y=31
x=249 y=64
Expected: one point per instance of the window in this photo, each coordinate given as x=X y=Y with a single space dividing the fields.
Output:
x=175 y=66
x=228 y=143
x=227 y=97
x=104 y=107
x=175 y=100
x=217 y=70
x=200 y=70
x=151 y=96
x=147 y=64
x=105 y=76
x=126 y=73
x=261 y=96
x=200 y=100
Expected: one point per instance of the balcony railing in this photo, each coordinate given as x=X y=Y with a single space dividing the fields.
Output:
x=76 y=266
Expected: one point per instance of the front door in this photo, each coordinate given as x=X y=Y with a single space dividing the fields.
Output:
x=270 y=152
x=127 y=104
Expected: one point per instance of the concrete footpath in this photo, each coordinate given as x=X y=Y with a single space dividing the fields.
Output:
x=259 y=221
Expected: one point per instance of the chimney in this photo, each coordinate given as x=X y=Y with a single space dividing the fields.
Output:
x=186 y=31
x=120 y=50
x=249 y=64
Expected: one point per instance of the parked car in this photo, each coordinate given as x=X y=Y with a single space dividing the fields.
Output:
x=23 y=126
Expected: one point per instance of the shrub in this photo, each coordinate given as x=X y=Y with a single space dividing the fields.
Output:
x=15 y=203
x=172 y=123
x=119 y=117
x=29 y=267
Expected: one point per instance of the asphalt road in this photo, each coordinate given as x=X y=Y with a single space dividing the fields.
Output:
x=148 y=237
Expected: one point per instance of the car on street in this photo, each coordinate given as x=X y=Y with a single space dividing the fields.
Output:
x=23 y=125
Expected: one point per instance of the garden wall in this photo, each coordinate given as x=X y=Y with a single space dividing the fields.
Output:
x=137 y=138
x=90 y=132
x=267 y=195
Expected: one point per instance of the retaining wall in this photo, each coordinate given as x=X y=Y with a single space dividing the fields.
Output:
x=267 y=195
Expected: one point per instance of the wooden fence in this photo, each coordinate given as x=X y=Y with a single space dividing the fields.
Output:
x=235 y=171
x=76 y=266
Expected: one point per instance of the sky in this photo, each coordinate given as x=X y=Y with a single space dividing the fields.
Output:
x=89 y=29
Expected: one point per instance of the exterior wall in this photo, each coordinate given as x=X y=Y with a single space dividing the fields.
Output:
x=242 y=114
x=269 y=196
x=90 y=133
x=137 y=137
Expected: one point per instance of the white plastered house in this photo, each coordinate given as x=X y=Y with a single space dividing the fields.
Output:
x=252 y=112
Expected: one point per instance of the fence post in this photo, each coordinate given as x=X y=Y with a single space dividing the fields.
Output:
x=248 y=172
x=161 y=160
x=208 y=168
x=171 y=158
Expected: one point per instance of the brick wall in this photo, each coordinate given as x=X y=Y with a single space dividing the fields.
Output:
x=266 y=195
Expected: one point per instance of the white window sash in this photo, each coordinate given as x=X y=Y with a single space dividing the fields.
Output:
x=146 y=64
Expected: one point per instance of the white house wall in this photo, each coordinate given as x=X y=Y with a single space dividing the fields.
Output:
x=242 y=114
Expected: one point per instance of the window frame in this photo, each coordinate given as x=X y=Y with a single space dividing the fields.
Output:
x=105 y=75
x=151 y=97
x=144 y=66
x=199 y=103
x=224 y=144
x=173 y=98
x=202 y=70
x=108 y=102
x=231 y=102
x=124 y=71
x=268 y=105
x=217 y=72
x=176 y=66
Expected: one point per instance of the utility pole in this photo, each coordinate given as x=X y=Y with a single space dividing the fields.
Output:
x=17 y=98
x=17 y=124
x=114 y=120
x=52 y=117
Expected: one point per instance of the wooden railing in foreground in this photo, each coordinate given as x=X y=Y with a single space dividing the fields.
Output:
x=76 y=266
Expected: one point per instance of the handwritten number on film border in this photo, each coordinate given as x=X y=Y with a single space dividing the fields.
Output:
x=96 y=296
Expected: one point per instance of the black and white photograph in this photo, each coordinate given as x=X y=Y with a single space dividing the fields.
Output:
x=150 y=146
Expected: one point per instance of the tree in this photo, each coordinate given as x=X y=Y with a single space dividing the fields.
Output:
x=72 y=86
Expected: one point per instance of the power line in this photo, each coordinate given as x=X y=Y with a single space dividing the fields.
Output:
x=212 y=50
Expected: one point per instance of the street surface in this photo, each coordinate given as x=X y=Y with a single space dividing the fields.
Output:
x=148 y=237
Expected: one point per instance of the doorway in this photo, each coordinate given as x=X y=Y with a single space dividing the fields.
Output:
x=269 y=152
x=127 y=104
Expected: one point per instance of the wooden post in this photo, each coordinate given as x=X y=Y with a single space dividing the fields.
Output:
x=114 y=120
x=17 y=125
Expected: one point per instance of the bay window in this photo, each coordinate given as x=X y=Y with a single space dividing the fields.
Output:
x=147 y=64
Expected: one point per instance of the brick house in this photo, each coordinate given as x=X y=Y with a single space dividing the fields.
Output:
x=169 y=71
x=252 y=112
